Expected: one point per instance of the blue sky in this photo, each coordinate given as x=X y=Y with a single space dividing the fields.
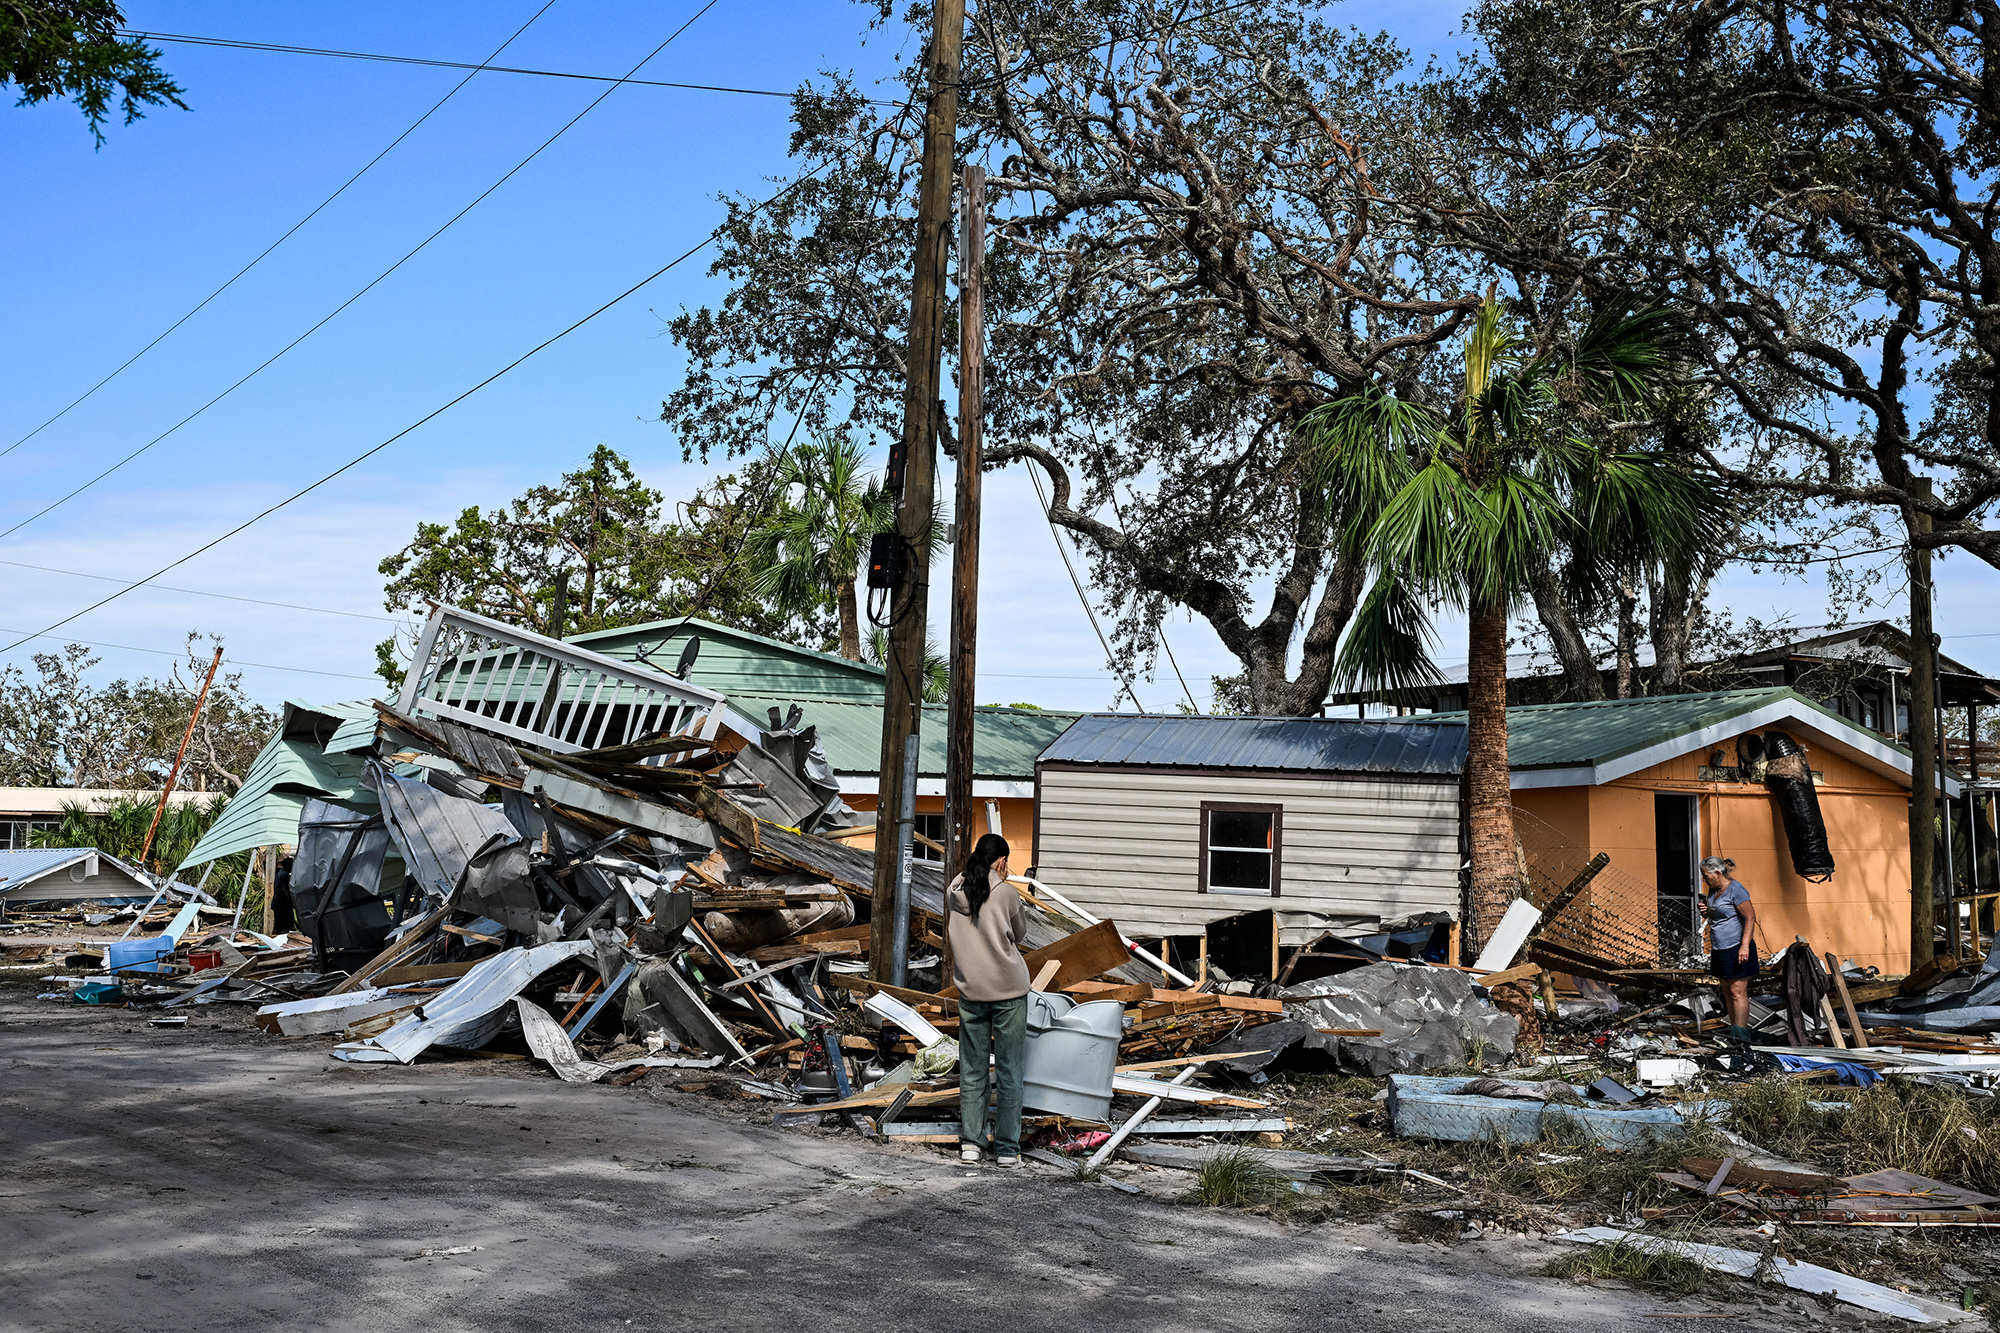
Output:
x=107 y=248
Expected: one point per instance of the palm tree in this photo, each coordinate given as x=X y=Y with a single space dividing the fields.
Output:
x=806 y=554
x=1458 y=507
x=937 y=671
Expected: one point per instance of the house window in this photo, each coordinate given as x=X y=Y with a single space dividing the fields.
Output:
x=1242 y=847
x=932 y=827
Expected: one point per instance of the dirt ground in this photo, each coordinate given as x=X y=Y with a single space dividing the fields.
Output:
x=213 y=1177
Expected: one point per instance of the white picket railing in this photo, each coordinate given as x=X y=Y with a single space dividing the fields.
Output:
x=547 y=693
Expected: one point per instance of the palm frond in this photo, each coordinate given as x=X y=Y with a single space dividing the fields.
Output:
x=1388 y=642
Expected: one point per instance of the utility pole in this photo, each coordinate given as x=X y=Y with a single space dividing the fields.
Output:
x=912 y=477
x=958 y=762
x=1923 y=743
x=174 y=773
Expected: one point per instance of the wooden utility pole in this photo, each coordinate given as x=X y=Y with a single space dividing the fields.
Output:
x=912 y=477
x=1923 y=745
x=958 y=762
x=174 y=773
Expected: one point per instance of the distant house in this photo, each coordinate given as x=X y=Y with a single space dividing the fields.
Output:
x=1861 y=672
x=23 y=810
x=68 y=874
x=1169 y=823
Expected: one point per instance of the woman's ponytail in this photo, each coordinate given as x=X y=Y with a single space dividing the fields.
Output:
x=990 y=849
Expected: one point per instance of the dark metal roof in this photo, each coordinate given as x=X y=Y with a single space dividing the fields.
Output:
x=1310 y=744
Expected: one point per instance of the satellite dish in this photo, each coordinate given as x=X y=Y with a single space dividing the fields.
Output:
x=688 y=654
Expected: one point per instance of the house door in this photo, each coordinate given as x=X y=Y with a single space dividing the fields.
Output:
x=1677 y=845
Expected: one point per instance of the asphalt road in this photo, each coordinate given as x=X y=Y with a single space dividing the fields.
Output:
x=215 y=1178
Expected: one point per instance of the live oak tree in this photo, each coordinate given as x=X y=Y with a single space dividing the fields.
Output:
x=72 y=49
x=1184 y=259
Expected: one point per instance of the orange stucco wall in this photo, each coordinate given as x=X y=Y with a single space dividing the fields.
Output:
x=1862 y=913
x=1017 y=824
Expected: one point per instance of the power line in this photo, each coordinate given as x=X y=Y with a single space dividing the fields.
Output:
x=231 y=43
x=1077 y=583
x=358 y=459
x=280 y=241
x=197 y=592
x=164 y=652
x=358 y=295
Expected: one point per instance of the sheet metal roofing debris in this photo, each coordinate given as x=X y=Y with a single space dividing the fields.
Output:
x=1809 y=1278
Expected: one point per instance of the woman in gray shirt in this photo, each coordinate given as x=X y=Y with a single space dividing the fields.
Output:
x=1732 y=924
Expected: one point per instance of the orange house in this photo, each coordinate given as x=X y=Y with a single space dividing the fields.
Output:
x=1658 y=783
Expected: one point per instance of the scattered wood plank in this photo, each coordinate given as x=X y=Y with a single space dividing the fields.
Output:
x=1084 y=954
x=403 y=976
x=864 y=986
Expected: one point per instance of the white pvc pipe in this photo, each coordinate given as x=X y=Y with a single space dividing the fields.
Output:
x=1137 y=1118
x=1089 y=920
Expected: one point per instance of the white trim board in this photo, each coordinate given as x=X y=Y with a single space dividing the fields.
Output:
x=982 y=788
x=1850 y=742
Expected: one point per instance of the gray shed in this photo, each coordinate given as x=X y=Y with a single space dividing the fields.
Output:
x=1165 y=824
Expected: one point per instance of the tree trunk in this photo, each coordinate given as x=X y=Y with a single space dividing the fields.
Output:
x=1628 y=631
x=1677 y=595
x=1489 y=798
x=1923 y=749
x=1581 y=679
x=850 y=622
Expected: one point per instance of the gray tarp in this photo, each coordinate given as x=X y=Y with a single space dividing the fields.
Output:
x=458 y=847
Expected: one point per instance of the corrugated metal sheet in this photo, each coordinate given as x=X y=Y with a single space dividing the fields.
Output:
x=15 y=867
x=1127 y=845
x=1005 y=741
x=1298 y=744
x=1570 y=735
x=733 y=660
x=264 y=812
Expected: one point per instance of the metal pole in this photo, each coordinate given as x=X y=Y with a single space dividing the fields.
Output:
x=906 y=846
x=911 y=475
x=1159 y=965
x=174 y=773
x=160 y=893
x=249 y=868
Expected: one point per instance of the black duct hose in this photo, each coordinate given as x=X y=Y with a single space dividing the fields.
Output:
x=1790 y=782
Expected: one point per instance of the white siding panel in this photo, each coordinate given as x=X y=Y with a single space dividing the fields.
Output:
x=1127 y=845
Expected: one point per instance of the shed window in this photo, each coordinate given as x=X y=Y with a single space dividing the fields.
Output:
x=1241 y=847
x=932 y=827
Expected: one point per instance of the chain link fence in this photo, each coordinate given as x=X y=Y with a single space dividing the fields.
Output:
x=1617 y=917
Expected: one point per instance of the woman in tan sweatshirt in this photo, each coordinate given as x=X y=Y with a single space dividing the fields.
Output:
x=985 y=923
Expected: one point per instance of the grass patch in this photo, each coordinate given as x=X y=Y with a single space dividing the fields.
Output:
x=1235 y=1178
x=1621 y=1262
x=1937 y=1132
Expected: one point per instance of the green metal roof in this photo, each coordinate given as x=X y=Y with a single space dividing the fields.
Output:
x=734 y=660
x=1575 y=734
x=1005 y=741
x=265 y=810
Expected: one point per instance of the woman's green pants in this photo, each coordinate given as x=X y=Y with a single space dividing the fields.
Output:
x=998 y=1028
